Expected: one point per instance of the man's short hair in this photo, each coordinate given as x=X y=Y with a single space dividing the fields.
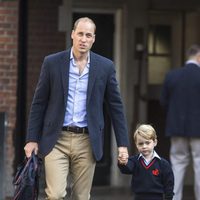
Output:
x=193 y=50
x=85 y=19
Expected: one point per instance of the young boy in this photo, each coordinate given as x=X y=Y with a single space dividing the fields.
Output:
x=152 y=176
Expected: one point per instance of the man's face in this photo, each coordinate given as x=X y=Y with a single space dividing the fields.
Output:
x=83 y=37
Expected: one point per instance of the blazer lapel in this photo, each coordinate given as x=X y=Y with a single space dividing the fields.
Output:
x=92 y=75
x=64 y=63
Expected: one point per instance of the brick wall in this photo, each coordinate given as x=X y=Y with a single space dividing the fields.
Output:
x=43 y=38
x=8 y=80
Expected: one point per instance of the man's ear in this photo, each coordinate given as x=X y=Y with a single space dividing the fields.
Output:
x=72 y=34
x=198 y=58
x=155 y=142
x=94 y=38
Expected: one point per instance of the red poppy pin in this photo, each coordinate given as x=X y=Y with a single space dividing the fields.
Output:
x=155 y=172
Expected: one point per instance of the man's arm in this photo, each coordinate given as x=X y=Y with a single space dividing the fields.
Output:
x=116 y=110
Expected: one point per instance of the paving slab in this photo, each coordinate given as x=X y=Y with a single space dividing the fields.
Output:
x=120 y=193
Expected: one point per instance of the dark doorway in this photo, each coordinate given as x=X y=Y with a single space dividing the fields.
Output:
x=2 y=152
x=159 y=63
x=156 y=117
x=104 y=46
x=19 y=134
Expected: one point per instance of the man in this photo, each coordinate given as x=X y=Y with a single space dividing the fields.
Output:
x=66 y=118
x=181 y=99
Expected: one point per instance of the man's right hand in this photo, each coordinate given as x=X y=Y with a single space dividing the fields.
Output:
x=30 y=147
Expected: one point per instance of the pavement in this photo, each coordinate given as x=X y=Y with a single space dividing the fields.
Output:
x=116 y=193
x=109 y=193
x=106 y=193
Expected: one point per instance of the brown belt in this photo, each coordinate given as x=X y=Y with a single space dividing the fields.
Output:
x=75 y=129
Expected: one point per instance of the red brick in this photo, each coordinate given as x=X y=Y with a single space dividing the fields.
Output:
x=8 y=78
x=5 y=39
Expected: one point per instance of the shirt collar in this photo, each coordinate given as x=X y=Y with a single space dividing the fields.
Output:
x=155 y=155
x=193 y=62
x=73 y=60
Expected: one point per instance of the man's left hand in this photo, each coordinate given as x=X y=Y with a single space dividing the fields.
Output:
x=123 y=155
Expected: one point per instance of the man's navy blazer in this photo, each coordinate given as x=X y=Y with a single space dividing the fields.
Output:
x=50 y=100
x=181 y=98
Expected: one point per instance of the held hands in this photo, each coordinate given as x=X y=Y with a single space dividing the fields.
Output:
x=30 y=147
x=122 y=155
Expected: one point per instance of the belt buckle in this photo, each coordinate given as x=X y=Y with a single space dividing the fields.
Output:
x=76 y=129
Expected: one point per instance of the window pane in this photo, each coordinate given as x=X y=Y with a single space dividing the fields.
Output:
x=151 y=40
x=158 y=67
x=159 y=39
x=163 y=39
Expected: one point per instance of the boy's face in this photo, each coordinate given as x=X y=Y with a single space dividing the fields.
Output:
x=144 y=146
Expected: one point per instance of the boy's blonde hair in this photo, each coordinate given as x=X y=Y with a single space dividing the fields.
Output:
x=146 y=131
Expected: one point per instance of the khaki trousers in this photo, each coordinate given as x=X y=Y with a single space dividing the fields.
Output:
x=184 y=150
x=72 y=155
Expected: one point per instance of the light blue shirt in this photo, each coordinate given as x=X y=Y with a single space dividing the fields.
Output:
x=154 y=155
x=75 y=114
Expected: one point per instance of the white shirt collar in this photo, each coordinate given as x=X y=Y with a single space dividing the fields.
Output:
x=192 y=62
x=155 y=155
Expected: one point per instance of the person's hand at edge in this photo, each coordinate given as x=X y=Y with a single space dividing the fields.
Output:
x=123 y=155
x=30 y=147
